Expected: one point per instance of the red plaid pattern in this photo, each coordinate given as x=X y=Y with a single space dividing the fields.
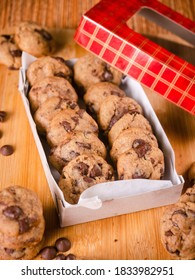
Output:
x=103 y=31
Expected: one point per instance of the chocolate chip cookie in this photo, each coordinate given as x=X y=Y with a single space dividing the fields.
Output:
x=79 y=143
x=10 y=54
x=67 y=122
x=148 y=164
x=90 y=69
x=133 y=138
x=51 y=87
x=21 y=218
x=48 y=66
x=113 y=108
x=34 y=39
x=178 y=227
x=81 y=173
x=125 y=122
x=48 y=109
x=97 y=93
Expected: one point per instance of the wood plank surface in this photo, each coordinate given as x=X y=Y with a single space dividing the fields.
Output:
x=130 y=236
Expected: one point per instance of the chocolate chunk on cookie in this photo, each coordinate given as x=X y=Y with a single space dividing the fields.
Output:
x=90 y=69
x=51 y=87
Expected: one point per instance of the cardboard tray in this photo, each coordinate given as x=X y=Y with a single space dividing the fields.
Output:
x=105 y=32
x=112 y=198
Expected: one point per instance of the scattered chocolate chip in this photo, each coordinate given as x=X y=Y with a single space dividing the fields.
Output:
x=9 y=251
x=63 y=244
x=88 y=180
x=2 y=116
x=168 y=233
x=60 y=257
x=6 y=36
x=70 y=257
x=6 y=150
x=48 y=253
x=60 y=59
x=139 y=175
x=13 y=212
x=60 y=75
x=84 y=145
x=46 y=35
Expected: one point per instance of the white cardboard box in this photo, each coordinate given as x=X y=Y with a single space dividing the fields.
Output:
x=113 y=198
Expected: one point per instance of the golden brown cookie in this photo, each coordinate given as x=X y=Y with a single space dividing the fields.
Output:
x=133 y=138
x=48 y=109
x=51 y=87
x=90 y=69
x=149 y=164
x=81 y=173
x=48 y=66
x=79 y=143
x=67 y=122
x=178 y=227
x=125 y=122
x=34 y=39
x=113 y=108
x=97 y=93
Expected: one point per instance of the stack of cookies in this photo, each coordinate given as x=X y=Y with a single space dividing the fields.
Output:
x=76 y=151
x=22 y=223
x=134 y=148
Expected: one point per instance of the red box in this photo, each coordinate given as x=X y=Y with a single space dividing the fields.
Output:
x=103 y=30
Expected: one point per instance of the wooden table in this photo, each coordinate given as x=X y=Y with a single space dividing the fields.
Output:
x=130 y=236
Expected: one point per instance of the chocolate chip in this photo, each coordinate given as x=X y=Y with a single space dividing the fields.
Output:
x=80 y=112
x=46 y=35
x=139 y=175
x=6 y=36
x=24 y=225
x=63 y=244
x=60 y=74
x=60 y=59
x=6 y=150
x=66 y=126
x=83 y=168
x=60 y=257
x=70 y=257
x=75 y=120
x=13 y=212
x=96 y=171
x=84 y=145
x=88 y=180
x=168 y=233
x=9 y=251
x=141 y=147
x=107 y=76
x=180 y=212
x=2 y=116
x=16 y=53
x=48 y=253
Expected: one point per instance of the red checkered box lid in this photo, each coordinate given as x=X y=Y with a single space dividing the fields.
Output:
x=103 y=30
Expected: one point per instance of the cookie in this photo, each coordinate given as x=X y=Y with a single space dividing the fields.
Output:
x=48 y=109
x=21 y=218
x=48 y=66
x=90 y=69
x=146 y=165
x=10 y=54
x=178 y=227
x=133 y=138
x=25 y=253
x=67 y=122
x=81 y=173
x=34 y=39
x=97 y=93
x=51 y=87
x=78 y=144
x=125 y=122
x=113 y=108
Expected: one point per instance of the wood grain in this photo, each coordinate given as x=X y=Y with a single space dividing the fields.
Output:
x=130 y=236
